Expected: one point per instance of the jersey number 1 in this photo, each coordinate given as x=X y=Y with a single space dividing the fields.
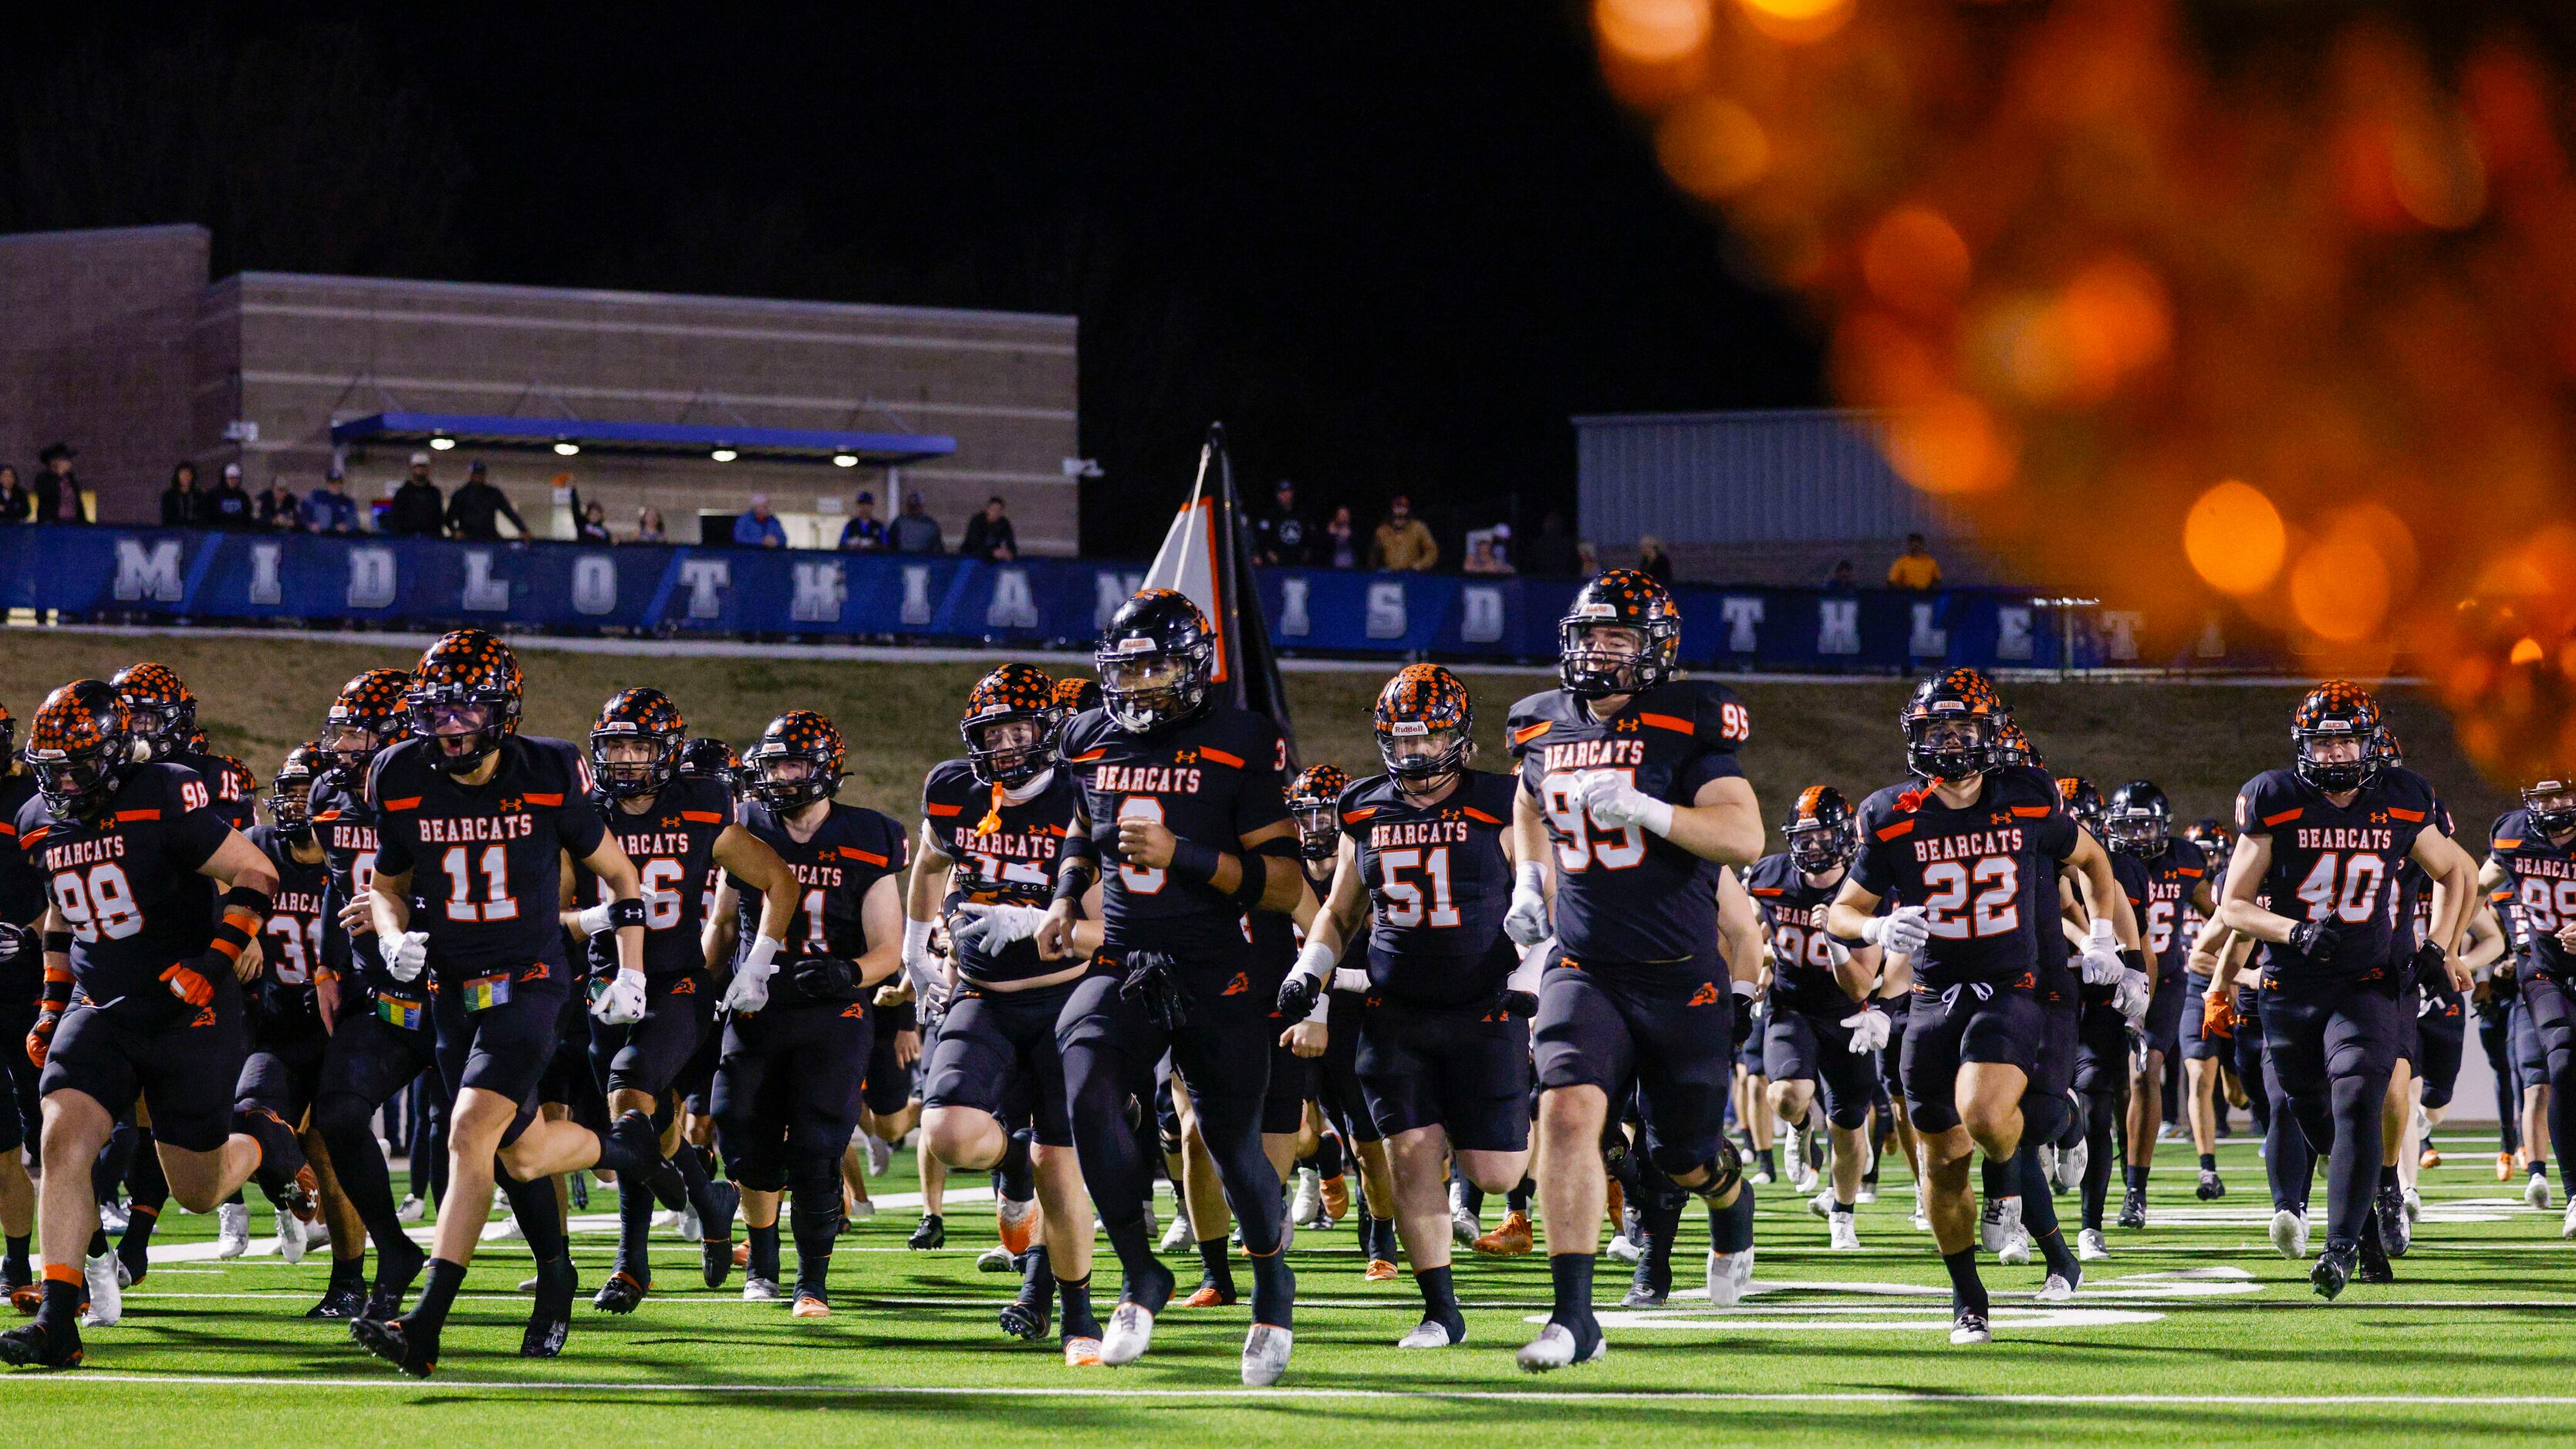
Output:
x=497 y=903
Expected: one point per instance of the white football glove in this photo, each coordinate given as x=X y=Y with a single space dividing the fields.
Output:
x=409 y=956
x=750 y=989
x=2135 y=990
x=989 y=928
x=2102 y=964
x=1615 y=804
x=1526 y=921
x=917 y=960
x=622 y=1004
x=1902 y=930
x=1869 y=1029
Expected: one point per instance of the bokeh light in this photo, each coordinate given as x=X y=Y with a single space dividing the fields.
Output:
x=2234 y=538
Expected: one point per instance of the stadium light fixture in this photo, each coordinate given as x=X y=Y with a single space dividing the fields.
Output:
x=722 y=455
x=568 y=450
x=442 y=444
x=845 y=460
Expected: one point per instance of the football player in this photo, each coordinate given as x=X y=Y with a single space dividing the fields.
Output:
x=1631 y=801
x=1823 y=1026
x=2532 y=852
x=22 y=970
x=1970 y=853
x=1181 y=819
x=132 y=852
x=2330 y=834
x=680 y=836
x=1425 y=861
x=2138 y=825
x=2206 y=1058
x=472 y=820
x=799 y=1023
x=993 y=827
x=2103 y=1033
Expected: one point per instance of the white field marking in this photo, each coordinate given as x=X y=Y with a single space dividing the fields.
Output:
x=729 y=1301
x=2223 y=1282
x=1921 y=1321
x=90 y=1377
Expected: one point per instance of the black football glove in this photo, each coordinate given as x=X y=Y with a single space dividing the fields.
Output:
x=17 y=941
x=2433 y=969
x=1152 y=986
x=1740 y=1030
x=2312 y=939
x=1522 y=1004
x=1297 y=997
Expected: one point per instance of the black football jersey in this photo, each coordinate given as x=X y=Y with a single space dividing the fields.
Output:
x=2415 y=898
x=1010 y=863
x=346 y=826
x=2337 y=863
x=673 y=848
x=1802 y=969
x=1986 y=874
x=22 y=886
x=1211 y=781
x=290 y=942
x=850 y=851
x=231 y=781
x=127 y=886
x=486 y=860
x=2541 y=880
x=1439 y=886
x=2165 y=920
x=1629 y=894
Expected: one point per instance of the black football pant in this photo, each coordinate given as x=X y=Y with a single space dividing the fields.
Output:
x=2334 y=1046
x=2553 y=1018
x=365 y=1062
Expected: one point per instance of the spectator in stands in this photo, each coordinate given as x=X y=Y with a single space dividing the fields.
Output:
x=179 y=500
x=15 y=504
x=329 y=508
x=1481 y=558
x=1341 y=540
x=1587 y=560
x=475 y=510
x=648 y=526
x=279 y=508
x=1915 y=568
x=416 y=511
x=227 y=504
x=58 y=497
x=1403 y=544
x=1842 y=580
x=594 y=524
x=1551 y=554
x=759 y=528
x=914 y=531
x=1283 y=535
x=1652 y=560
x=989 y=536
x=865 y=532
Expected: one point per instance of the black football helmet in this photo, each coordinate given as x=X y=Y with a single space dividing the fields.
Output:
x=707 y=758
x=798 y=761
x=2083 y=801
x=82 y=746
x=290 y=791
x=2549 y=802
x=2333 y=712
x=633 y=716
x=1020 y=694
x=2012 y=747
x=1823 y=832
x=163 y=712
x=369 y=713
x=464 y=699
x=1619 y=599
x=1952 y=723
x=1155 y=661
x=1426 y=726
x=2210 y=834
x=2138 y=820
x=1315 y=802
x=1075 y=693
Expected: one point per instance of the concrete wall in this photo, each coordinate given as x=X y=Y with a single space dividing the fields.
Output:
x=95 y=352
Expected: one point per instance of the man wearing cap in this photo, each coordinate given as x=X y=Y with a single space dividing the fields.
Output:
x=1402 y=542
x=329 y=508
x=416 y=512
x=1283 y=535
x=57 y=491
x=915 y=531
x=759 y=528
x=226 y=505
x=475 y=511
x=865 y=532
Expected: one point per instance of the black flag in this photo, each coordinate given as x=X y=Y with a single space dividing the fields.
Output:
x=1207 y=555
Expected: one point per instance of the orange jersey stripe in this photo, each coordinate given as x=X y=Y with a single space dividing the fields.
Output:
x=703 y=817
x=125 y=815
x=1473 y=813
x=2406 y=815
x=1527 y=733
x=1210 y=752
x=870 y=856
x=2292 y=813
x=935 y=808
x=408 y=802
x=1901 y=827
x=2031 y=812
x=533 y=798
x=1673 y=722
x=1087 y=756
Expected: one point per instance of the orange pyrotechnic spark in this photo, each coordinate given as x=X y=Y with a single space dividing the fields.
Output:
x=2274 y=319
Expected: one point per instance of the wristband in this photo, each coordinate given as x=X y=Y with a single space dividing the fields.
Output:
x=1657 y=816
x=1194 y=862
x=2133 y=960
x=1315 y=961
x=626 y=912
x=58 y=943
x=1252 y=883
x=256 y=904
x=1071 y=880
x=1745 y=989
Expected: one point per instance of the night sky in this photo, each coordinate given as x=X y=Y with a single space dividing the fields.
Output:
x=1394 y=247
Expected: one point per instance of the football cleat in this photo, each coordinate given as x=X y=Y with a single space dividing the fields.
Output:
x=292 y=1237
x=1017 y=1223
x=1177 y=1236
x=2133 y=1208
x=716 y=1261
x=756 y=1289
x=1968 y=1326
x=399 y=1342
x=1210 y=1294
x=1729 y=1274
x=2414 y=1205
x=809 y=1306
x=2091 y=1247
x=2055 y=1290
x=1624 y=1248
x=1380 y=1271
x=106 y=1299
x=2504 y=1166
x=343 y=1302
x=2372 y=1262
x=1845 y=1233
x=1265 y=1355
x=412 y=1210
x=1822 y=1204
x=550 y=1320
x=855 y=1211
x=2290 y=1235
x=113 y=1217
x=2536 y=1192
x=1337 y=1197
x=1023 y=1319
x=2334 y=1269
x=620 y=1294
x=1130 y=1333
x=996 y=1259
x=1082 y=1352
x=35 y=1346
x=2016 y=1249
x=2071 y=1164
x=931 y=1232
x=2430 y=1157
x=1429 y=1333
x=1510 y=1240
x=1996 y=1220
x=1307 y=1202
x=232 y=1230
x=2392 y=1222
x=1868 y=1192
x=2567 y=1224
x=2211 y=1189
x=1554 y=1349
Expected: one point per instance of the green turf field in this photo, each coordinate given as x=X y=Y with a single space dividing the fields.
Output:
x=2195 y=1332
